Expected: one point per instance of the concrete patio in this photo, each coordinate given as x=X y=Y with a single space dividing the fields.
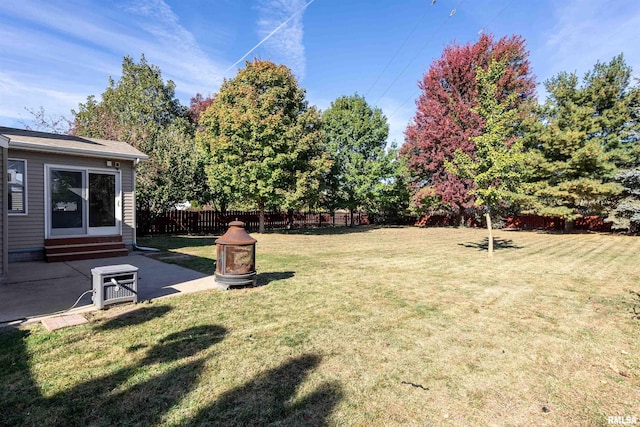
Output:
x=39 y=289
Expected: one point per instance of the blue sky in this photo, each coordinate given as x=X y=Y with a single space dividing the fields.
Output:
x=55 y=53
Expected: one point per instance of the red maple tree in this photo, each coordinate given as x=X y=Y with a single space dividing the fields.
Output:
x=445 y=119
x=197 y=106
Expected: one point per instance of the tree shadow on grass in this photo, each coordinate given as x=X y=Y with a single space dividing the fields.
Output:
x=18 y=390
x=498 y=244
x=137 y=395
x=135 y=317
x=267 y=399
x=109 y=399
x=266 y=278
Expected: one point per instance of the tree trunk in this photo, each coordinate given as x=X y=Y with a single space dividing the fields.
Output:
x=289 y=219
x=460 y=216
x=488 y=216
x=352 y=217
x=569 y=225
x=261 y=218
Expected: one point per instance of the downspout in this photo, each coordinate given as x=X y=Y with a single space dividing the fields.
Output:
x=4 y=211
x=135 y=216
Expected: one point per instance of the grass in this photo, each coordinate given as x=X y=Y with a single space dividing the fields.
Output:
x=196 y=253
x=380 y=326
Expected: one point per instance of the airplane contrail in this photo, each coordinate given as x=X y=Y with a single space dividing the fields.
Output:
x=270 y=34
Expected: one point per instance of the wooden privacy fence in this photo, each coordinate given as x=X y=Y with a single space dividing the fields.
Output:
x=523 y=222
x=213 y=222
x=534 y=222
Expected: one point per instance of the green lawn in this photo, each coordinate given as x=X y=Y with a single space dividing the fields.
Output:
x=370 y=326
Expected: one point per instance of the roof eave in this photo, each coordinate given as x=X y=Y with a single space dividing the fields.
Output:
x=28 y=146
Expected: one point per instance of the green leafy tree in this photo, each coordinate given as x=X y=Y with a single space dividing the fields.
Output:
x=175 y=173
x=131 y=109
x=445 y=120
x=495 y=166
x=391 y=195
x=264 y=143
x=356 y=140
x=582 y=137
x=142 y=110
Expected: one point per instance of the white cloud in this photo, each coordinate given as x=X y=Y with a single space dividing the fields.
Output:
x=55 y=54
x=285 y=46
x=23 y=92
x=55 y=35
x=587 y=31
x=176 y=49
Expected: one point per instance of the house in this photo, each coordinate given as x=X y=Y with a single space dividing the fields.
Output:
x=65 y=197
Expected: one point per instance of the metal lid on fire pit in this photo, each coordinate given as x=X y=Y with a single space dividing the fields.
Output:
x=236 y=235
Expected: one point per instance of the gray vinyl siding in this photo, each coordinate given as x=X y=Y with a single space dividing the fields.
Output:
x=128 y=209
x=27 y=232
x=3 y=212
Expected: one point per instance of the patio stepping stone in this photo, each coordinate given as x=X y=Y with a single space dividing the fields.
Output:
x=59 y=322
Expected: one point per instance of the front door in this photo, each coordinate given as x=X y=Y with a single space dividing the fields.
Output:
x=83 y=202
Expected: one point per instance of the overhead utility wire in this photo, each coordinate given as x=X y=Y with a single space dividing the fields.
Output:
x=495 y=16
x=479 y=32
x=398 y=51
x=270 y=34
x=451 y=14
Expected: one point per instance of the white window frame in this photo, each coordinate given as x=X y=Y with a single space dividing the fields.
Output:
x=25 y=194
x=86 y=170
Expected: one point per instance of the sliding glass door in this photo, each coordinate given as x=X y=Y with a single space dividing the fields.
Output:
x=67 y=202
x=83 y=202
x=103 y=198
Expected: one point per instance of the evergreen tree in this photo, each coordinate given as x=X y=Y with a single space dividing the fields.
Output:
x=583 y=135
x=626 y=212
x=616 y=105
x=612 y=100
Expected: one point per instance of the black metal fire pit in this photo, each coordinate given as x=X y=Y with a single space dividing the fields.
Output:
x=236 y=257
